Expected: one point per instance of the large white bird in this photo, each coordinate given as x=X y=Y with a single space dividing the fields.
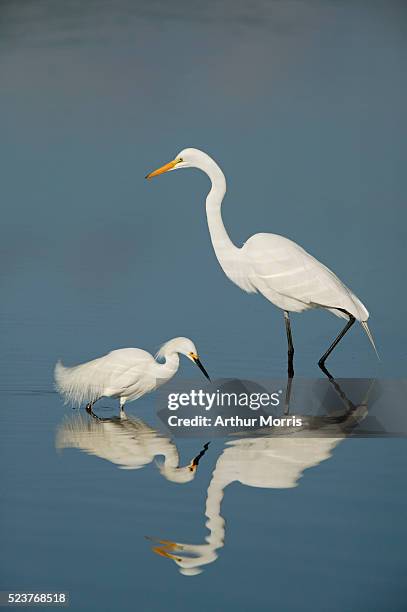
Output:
x=278 y=268
x=274 y=461
x=126 y=374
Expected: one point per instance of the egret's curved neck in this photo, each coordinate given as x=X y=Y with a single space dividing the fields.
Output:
x=222 y=244
x=170 y=453
x=166 y=370
x=215 y=522
x=191 y=557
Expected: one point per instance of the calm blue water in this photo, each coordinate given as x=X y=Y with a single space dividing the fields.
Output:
x=303 y=105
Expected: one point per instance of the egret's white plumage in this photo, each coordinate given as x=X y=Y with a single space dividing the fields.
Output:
x=126 y=373
x=269 y=264
x=127 y=442
x=294 y=280
x=273 y=461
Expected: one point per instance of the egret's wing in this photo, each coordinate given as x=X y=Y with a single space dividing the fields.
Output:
x=276 y=462
x=128 y=369
x=276 y=264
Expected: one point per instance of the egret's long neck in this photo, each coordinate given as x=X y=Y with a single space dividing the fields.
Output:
x=166 y=370
x=169 y=451
x=215 y=522
x=191 y=557
x=222 y=244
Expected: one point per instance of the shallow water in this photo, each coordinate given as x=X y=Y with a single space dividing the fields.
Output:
x=319 y=522
x=302 y=103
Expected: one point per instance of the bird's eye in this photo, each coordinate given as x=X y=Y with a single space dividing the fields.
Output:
x=180 y=159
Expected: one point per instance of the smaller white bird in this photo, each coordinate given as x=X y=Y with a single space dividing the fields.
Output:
x=128 y=443
x=126 y=374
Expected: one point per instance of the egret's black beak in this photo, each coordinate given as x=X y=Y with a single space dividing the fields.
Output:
x=200 y=366
x=196 y=460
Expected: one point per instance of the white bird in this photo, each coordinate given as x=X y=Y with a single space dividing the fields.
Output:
x=274 y=266
x=272 y=462
x=128 y=443
x=127 y=373
x=275 y=461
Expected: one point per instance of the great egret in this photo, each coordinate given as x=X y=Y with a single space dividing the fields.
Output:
x=128 y=443
x=278 y=268
x=127 y=373
x=274 y=461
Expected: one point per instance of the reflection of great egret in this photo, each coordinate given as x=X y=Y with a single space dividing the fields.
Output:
x=126 y=442
x=127 y=374
x=272 y=265
x=273 y=462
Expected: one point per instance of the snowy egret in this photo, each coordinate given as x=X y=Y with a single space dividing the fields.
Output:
x=274 y=266
x=127 y=373
x=128 y=443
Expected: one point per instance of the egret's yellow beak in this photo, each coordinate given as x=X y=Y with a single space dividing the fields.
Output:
x=170 y=166
x=164 y=547
x=160 y=550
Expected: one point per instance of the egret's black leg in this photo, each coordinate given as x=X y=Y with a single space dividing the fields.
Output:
x=290 y=344
x=122 y=414
x=339 y=337
x=89 y=410
x=288 y=395
x=325 y=371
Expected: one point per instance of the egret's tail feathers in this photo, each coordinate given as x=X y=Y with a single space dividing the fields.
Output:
x=77 y=385
x=369 y=335
x=78 y=433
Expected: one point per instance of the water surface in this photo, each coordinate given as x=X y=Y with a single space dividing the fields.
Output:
x=302 y=104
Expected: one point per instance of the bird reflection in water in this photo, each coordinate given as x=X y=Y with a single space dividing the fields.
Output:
x=127 y=442
x=276 y=460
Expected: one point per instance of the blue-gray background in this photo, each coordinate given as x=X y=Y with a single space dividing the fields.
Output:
x=303 y=105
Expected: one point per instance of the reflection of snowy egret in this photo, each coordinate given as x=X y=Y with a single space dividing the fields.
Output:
x=272 y=265
x=126 y=374
x=127 y=442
